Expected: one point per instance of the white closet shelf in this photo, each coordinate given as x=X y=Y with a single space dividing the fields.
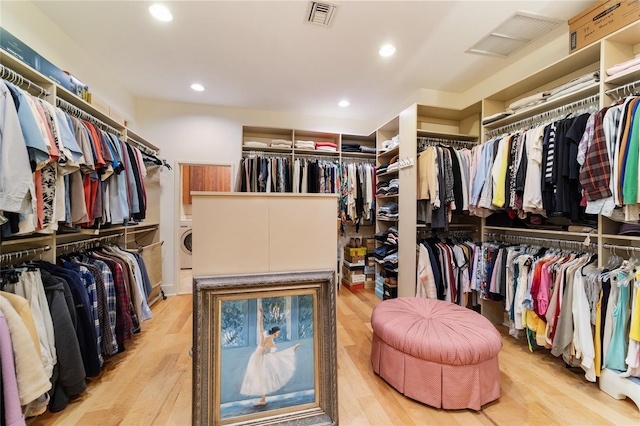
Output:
x=390 y=153
x=316 y=152
x=546 y=106
x=85 y=106
x=137 y=137
x=624 y=77
x=447 y=135
x=266 y=149
x=358 y=155
x=541 y=231
x=382 y=197
x=620 y=237
x=38 y=238
x=392 y=172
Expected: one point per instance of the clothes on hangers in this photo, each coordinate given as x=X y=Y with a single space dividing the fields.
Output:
x=64 y=170
x=358 y=189
x=444 y=269
x=264 y=174
x=64 y=320
x=442 y=184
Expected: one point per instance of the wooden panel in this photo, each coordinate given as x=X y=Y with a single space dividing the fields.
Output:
x=186 y=196
x=303 y=234
x=230 y=235
x=209 y=178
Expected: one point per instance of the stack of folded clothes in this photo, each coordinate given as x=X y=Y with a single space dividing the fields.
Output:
x=256 y=144
x=350 y=147
x=382 y=168
x=305 y=145
x=281 y=143
x=389 y=187
x=574 y=85
x=368 y=150
x=384 y=250
x=388 y=145
x=326 y=146
x=388 y=211
x=627 y=67
x=390 y=262
x=393 y=164
x=389 y=237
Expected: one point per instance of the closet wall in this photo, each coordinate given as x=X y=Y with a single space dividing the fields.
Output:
x=25 y=21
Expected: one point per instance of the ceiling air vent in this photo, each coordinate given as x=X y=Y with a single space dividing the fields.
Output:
x=513 y=34
x=321 y=13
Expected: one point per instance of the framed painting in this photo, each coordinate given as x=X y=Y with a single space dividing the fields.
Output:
x=265 y=349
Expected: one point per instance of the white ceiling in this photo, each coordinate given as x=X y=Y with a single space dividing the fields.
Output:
x=263 y=54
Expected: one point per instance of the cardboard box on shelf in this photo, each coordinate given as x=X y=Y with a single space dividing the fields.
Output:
x=348 y=273
x=16 y=48
x=352 y=286
x=98 y=103
x=369 y=244
x=78 y=87
x=355 y=251
x=369 y=284
x=354 y=259
x=371 y=261
x=600 y=20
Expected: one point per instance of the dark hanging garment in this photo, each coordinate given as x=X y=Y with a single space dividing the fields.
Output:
x=136 y=175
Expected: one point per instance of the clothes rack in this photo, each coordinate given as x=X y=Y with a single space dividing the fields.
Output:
x=14 y=77
x=253 y=154
x=16 y=255
x=628 y=89
x=424 y=141
x=88 y=243
x=357 y=160
x=544 y=242
x=616 y=247
x=317 y=157
x=588 y=104
x=77 y=112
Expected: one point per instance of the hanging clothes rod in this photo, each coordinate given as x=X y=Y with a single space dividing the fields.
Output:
x=588 y=104
x=317 y=157
x=425 y=141
x=350 y=160
x=88 y=243
x=628 y=89
x=14 y=77
x=266 y=154
x=543 y=242
x=15 y=255
x=77 y=112
x=615 y=247
x=142 y=147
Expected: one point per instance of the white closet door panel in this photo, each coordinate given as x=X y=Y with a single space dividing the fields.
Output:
x=303 y=233
x=231 y=236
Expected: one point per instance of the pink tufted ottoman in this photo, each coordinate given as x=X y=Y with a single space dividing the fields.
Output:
x=436 y=352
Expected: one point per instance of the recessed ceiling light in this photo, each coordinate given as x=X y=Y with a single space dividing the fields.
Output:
x=197 y=87
x=387 y=50
x=343 y=103
x=160 y=12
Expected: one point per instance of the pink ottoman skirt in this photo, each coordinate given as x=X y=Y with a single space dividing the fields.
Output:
x=436 y=352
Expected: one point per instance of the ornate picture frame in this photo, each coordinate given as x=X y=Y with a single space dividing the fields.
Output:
x=264 y=349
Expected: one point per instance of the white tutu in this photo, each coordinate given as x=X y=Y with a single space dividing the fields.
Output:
x=268 y=371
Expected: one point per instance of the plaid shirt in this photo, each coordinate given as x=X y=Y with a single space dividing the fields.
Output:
x=90 y=285
x=124 y=324
x=596 y=172
x=106 y=303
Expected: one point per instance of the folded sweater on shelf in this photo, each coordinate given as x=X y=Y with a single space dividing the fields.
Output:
x=618 y=68
x=326 y=144
x=256 y=144
x=589 y=78
x=281 y=143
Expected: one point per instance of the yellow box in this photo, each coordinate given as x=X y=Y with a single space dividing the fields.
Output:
x=98 y=104
x=355 y=251
x=600 y=20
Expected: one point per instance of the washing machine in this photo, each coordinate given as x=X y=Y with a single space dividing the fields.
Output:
x=185 y=245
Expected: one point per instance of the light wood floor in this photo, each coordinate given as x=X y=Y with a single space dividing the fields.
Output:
x=150 y=383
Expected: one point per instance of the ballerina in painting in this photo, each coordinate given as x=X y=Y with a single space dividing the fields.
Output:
x=268 y=370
